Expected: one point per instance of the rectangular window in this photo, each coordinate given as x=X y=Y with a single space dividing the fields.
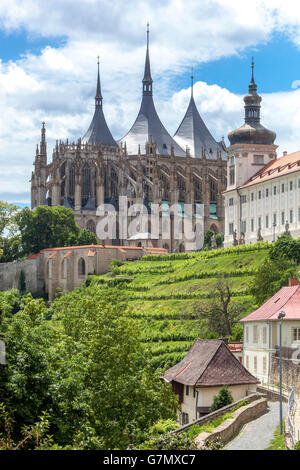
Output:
x=265 y=335
x=264 y=365
x=282 y=218
x=231 y=201
x=274 y=219
x=243 y=226
x=296 y=334
x=252 y=225
x=252 y=196
x=259 y=222
x=267 y=192
x=291 y=185
x=259 y=194
x=267 y=221
x=244 y=199
x=282 y=187
x=185 y=418
x=255 y=334
x=291 y=216
x=274 y=190
x=230 y=229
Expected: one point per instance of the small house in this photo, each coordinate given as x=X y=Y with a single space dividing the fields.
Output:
x=196 y=379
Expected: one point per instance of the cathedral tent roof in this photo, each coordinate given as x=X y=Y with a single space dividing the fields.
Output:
x=147 y=125
x=98 y=132
x=194 y=134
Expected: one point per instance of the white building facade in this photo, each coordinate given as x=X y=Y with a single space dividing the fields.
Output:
x=262 y=330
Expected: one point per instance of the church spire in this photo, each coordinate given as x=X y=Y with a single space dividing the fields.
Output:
x=192 y=83
x=98 y=97
x=252 y=101
x=147 y=80
x=43 y=146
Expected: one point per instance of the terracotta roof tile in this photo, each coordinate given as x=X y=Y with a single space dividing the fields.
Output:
x=287 y=299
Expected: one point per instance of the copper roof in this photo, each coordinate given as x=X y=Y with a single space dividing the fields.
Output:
x=209 y=363
x=287 y=299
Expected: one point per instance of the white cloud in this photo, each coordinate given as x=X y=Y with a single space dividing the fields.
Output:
x=58 y=85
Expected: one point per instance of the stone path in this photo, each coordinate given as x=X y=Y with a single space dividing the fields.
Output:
x=257 y=434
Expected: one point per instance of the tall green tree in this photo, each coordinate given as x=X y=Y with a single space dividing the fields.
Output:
x=271 y=276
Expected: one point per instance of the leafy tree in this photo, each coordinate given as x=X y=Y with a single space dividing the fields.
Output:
x=85 y=237
x=221 y=312
x=219 y=239
x=285 y=247
x=105 y=386
x=207 y=239
x=271 y=276
x=46 y=227
x=223 y=398
x=9 y=239
x=8 y=213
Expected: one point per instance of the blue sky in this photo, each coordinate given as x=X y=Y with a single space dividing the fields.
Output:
x=48 y=69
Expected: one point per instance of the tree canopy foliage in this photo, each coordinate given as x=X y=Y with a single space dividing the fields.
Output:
x=281 y=264
x=85 y=367
x=50 y=227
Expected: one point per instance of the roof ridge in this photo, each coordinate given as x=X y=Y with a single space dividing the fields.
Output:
x=210 y=359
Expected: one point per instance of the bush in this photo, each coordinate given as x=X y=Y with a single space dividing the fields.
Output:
x=223 y=398
x=297 y=445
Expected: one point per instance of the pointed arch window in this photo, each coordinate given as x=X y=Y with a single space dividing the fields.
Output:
x=213 y=191
x=72 y=181
x=81 y=267
x=86 y=182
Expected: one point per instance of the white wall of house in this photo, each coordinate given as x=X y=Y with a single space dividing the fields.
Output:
x=260 y=339
x=205 y=396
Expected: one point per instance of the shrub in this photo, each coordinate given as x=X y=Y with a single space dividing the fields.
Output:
x=297 y=445
x=223 y=398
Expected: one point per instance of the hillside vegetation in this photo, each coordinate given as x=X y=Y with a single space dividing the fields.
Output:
x=165 y=292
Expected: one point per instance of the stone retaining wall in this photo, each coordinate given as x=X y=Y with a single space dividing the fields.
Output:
x=227 y=430
x=290 y=372
x=215 y=414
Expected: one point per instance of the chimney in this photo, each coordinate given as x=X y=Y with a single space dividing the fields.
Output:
x=284 y=153
x=293 y=281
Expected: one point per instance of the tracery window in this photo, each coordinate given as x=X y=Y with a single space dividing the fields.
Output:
x=86 y=181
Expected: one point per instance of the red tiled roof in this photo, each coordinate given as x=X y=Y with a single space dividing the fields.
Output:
x=235 y=346
x=33 y=255
x=286 y=299
x=277 y=167
x=209 y=363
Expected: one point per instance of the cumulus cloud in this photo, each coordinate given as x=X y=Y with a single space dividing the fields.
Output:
x=58 y=84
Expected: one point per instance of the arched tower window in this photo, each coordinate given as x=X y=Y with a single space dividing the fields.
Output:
x=72 y=181
x=213 y=191
x=86 y=182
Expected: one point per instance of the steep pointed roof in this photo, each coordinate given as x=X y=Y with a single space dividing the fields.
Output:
x=147 y=125
x=98 y=130
x=209 y=363
x=194 y=134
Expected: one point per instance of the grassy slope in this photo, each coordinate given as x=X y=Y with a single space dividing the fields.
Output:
x=164 y=295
